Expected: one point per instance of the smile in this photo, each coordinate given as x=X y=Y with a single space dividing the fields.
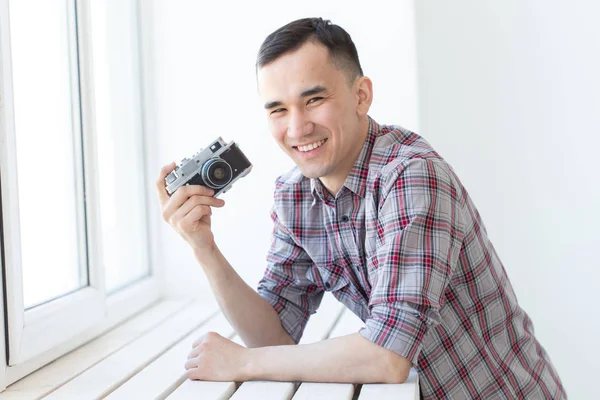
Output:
x=310 y=146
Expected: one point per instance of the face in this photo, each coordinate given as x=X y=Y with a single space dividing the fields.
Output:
x=314 y=113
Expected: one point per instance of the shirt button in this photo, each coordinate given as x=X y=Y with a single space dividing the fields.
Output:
x=345 y=218
x=327 y=285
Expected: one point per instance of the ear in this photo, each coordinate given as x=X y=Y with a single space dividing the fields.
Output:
x=364 y=95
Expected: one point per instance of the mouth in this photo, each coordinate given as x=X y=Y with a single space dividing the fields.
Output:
x=310 y=148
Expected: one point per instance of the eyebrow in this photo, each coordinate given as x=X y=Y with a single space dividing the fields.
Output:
x=309 y=92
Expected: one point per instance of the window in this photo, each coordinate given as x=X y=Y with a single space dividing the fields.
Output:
x=74 y=235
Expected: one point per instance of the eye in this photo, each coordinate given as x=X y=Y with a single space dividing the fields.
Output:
x=277 y=111
x=314 y=99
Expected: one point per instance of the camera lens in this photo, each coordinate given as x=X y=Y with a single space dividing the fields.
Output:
x=216 y=173
x=219 y=173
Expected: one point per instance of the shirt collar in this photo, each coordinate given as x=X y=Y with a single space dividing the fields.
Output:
x=356 y=181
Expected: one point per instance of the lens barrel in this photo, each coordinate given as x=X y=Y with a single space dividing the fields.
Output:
x=216 y=173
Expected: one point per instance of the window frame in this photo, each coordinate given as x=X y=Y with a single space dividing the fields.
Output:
x=45 y=332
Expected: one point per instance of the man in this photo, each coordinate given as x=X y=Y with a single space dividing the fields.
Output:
x=374 y=215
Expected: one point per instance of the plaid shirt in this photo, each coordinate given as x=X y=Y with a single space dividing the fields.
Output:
x=403 y=246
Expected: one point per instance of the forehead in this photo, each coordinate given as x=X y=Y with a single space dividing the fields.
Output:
x=293 y=72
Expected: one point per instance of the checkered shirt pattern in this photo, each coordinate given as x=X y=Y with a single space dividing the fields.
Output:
x=404 y=248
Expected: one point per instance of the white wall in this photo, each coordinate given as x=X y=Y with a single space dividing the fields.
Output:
x=510 y=95
x=200 y=74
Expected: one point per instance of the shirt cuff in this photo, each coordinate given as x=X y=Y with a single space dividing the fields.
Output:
x=396 y=329
x=293 y=319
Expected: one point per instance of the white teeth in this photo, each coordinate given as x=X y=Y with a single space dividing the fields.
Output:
x=311 y=146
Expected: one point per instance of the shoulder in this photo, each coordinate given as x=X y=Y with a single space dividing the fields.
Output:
x=402 y=156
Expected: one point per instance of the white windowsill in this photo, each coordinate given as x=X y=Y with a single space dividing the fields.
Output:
x=144 y=357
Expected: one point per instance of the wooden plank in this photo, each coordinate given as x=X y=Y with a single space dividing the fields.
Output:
x=324 y=391
x=203 y=390
x=320 y=324
x=265 y=390
x=56 y=374
x=408 y=390
x=159 y=379
x=106 y=376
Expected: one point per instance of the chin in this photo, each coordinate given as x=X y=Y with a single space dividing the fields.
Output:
x=313 y=173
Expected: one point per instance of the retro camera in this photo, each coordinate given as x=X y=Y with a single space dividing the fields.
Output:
x=218 y=166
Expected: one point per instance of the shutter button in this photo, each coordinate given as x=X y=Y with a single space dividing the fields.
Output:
x=345 y=218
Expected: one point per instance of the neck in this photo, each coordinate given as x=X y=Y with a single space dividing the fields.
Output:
x=334 y=181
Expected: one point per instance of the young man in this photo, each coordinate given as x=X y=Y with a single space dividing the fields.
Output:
x=374 y=215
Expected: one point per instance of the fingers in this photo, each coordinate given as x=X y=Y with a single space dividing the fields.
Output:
x=189 y=223
x=194 y=201
x=191 y=363
x=194 y=352
x=202 y=196
x=163 y=196
x=198 y=341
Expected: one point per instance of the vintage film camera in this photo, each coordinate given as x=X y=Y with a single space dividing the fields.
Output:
x=218 y=166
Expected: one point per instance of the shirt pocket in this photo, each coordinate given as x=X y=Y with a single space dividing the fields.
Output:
x=326 y=278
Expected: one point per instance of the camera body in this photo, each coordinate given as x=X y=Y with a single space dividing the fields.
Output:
x=218 y=166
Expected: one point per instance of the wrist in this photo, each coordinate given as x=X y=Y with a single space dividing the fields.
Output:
x=251 y=369
x=204 y=255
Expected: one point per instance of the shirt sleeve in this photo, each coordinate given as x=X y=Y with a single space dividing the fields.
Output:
x=420 y=236
x=284 y=284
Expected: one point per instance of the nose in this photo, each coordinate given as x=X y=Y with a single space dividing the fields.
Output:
x=299 y=125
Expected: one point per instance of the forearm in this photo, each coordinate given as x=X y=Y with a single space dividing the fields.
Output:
x=252 y=317
x=347 y=359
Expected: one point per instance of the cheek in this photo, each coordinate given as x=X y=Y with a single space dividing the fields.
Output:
x=278 y=129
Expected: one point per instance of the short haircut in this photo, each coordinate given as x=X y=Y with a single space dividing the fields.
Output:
x=292 y=36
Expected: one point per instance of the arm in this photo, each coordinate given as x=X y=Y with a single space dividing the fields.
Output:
x=188 y=211
x=328 y=361
x=253 y=318
x=422 y=232
x=347 y=359
x=278 y=313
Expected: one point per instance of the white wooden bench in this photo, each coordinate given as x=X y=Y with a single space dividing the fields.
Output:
x=144 y=357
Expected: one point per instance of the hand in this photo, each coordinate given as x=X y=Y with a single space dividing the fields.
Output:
x=215 y=358
x=188 y=210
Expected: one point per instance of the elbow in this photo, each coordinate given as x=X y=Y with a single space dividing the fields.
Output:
x=397 y=369
x=397 y=376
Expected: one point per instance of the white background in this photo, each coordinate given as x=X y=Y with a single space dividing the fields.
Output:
x=508 y=94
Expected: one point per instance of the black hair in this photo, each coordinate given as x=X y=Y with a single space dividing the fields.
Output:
x=292 y=36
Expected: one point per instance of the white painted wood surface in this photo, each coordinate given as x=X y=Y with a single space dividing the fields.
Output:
x=203 y=390
x=325 y=391
x=106 y=376
x=167 y=372
x=48 y=378
x=144 y=359
x=408 y=390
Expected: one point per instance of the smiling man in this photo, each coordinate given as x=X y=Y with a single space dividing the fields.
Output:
x=374 y=215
